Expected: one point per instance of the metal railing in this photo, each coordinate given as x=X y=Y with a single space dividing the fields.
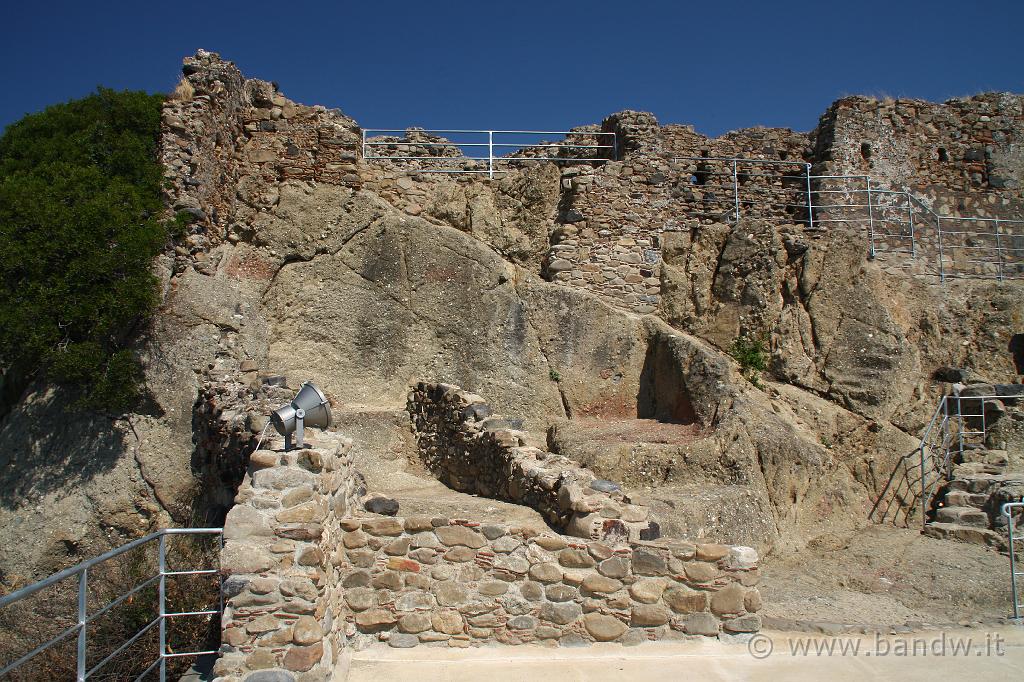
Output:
x=894 y=221
x=81 y=628
x=1009 y=512
x=461 y=151
x=958 y=424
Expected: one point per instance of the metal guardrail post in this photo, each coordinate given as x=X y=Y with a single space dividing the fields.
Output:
x=83 y=593
x=924 y=492
x=364 y=143
x=163 y=607
x=1008 y=513
x=999 y=253
x=938 y=234
x=490 y=154
x=810 y=208
x=736 y=191
x=871 y=219
x=913 y=243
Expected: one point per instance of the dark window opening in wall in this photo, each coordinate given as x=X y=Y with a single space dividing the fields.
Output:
x=943 y=155
x=743 y=177
x=865 y=151
x=783 y=155
x=699 y=178
x=655 y=241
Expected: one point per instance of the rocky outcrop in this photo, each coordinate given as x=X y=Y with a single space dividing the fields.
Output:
x=303 y=259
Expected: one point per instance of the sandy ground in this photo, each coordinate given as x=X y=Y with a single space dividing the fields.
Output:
x=882 y=575
x=994 y=654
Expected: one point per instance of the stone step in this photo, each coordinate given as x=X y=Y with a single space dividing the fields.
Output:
x=964 y=516
x=963 y=498
x=991 y=457
x=974 y=469
x=968 y=534
x=979 y=483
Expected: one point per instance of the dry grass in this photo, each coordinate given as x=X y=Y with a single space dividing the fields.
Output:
x=38 y=618
x=184 y=91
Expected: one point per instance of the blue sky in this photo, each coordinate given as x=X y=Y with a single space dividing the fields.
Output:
x=527 y=64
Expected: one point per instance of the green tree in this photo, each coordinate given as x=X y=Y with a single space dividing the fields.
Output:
x=80 y=224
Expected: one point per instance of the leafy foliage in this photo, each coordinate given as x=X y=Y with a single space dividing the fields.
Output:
x=752 y=354
x=80 y=225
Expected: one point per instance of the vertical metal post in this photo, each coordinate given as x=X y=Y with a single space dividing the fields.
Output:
x=960 y=431
x=220 y=577
x=736 y=191
x=1008 y=513
x=163 y=607
x=300 y=429
x=999 y=253
x=364 y=143
x=913 y=242
x=924 y=493
x=871 y=219
x=490 y=154
x=938 y=232
x=83 y=580
x=810 y=207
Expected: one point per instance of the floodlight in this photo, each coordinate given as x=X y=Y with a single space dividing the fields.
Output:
x=309 y=408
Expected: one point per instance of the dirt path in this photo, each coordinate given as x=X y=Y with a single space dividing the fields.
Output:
x=888 y=576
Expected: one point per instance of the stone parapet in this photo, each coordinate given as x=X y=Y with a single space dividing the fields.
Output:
x=470 y=449
x=423 y=580
x=283 y=596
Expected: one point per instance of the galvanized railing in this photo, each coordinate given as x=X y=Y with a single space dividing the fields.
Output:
x=958 y=424
x=1011 y=510
x=81 y=627
x=894 y=221
x=461 y=151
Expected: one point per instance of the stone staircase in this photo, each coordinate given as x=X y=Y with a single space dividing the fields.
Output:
x=967 y=507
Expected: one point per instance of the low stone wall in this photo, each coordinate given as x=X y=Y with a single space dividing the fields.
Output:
x=472 y=450
x=423 y=580
x=283 y=598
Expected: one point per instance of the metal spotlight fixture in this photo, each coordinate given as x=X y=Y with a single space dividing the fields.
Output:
x=309 y=408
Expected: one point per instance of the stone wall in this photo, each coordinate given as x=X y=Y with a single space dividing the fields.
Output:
x=961 y=158
x=283 y=597
x=614 y=216
x=229 y=142
x=423 y=580
x=472 y=450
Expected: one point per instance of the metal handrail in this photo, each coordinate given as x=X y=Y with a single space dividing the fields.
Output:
x=490 y=144
x=952 y=432
x=1007 y=509
x=81 y=571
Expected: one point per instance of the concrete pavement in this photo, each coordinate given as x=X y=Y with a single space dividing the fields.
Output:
x=962 y=654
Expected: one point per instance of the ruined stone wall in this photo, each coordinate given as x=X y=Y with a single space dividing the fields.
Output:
x=962 y=158
x=614 y=215
x=964 y=155
x=471 y=450
x=283 y=597
x=422 y=580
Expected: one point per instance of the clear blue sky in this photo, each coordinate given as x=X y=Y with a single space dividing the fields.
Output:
x=526 y=64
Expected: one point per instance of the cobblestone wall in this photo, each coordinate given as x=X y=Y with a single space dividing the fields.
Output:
x=456 y=583
x=472 y=450
x=309 y=573
x=283 y=610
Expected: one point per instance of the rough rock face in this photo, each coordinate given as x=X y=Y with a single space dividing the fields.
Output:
x=305 y=260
